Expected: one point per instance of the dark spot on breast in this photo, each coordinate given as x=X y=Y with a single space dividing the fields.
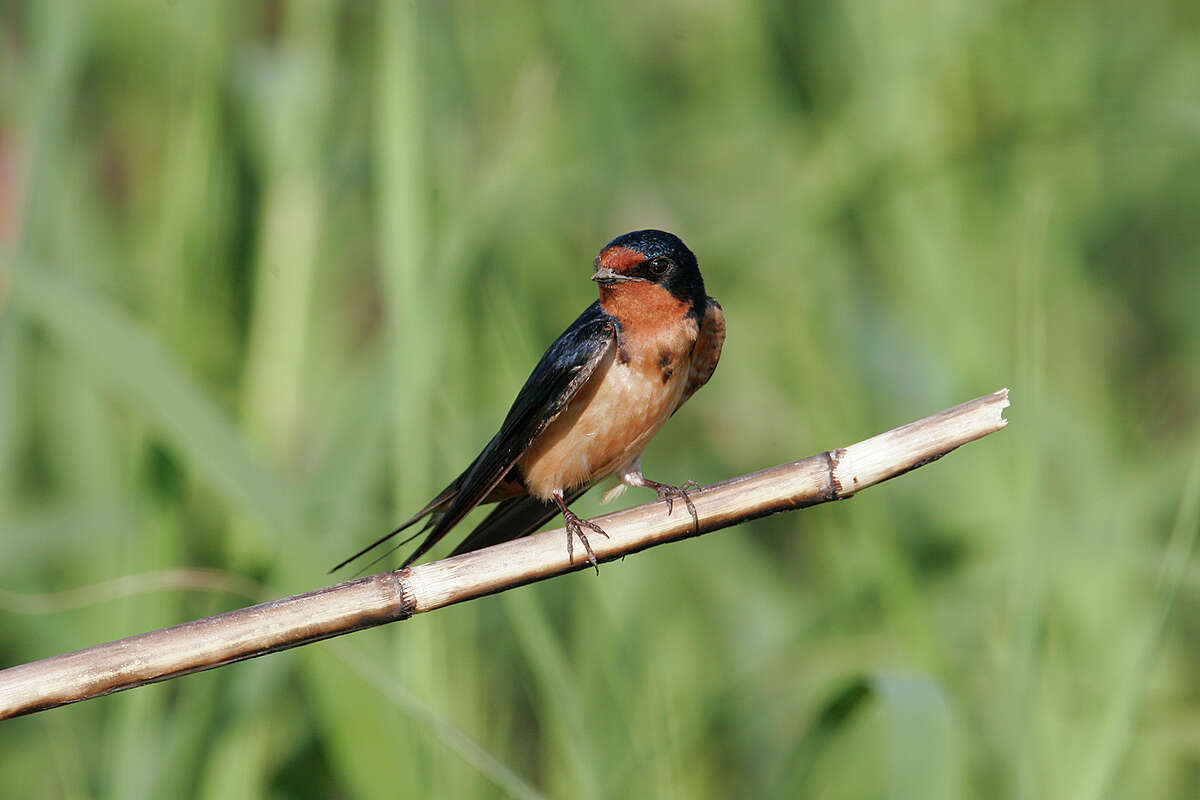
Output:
x=664 y=359
x=622 y=355
x=667 y=373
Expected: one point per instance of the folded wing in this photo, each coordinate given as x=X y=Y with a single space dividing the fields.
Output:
x=564 y=368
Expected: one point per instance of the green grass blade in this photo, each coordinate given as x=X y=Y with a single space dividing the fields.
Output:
x=127 y=361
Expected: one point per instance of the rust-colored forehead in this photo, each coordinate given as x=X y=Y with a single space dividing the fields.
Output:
x=619 y=258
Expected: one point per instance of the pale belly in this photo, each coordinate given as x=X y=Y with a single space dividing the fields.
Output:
x=606 y=425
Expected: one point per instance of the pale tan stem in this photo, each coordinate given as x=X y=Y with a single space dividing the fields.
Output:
x=390 y=596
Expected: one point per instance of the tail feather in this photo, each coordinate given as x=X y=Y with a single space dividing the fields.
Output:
x=429 y=523
x=512 y=519
x=436 y=504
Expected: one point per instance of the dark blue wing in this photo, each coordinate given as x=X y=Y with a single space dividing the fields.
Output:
x=514 y=518
x=564 y=368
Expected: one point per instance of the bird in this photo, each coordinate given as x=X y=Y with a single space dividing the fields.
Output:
x=598 y=395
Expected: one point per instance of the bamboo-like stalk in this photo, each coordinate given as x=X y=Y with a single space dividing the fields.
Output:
x=389 y=596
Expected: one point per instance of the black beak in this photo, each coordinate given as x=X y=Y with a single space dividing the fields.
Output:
x=608 y=276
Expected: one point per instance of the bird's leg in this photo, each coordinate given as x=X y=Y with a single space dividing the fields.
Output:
x=669 y=493
x=631 y=475
x=575 y=526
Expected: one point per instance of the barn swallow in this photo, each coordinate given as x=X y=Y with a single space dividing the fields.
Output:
x=593 y=402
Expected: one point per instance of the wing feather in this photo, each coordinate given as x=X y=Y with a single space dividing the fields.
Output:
x=707 y=351
x=564 y=368
x=514 y=518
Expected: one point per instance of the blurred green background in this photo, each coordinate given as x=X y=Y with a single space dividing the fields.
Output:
x=270 y=275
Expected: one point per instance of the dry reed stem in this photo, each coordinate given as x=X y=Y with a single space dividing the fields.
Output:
x=390 y=596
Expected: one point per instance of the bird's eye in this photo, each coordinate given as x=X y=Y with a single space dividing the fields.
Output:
x=660 y=265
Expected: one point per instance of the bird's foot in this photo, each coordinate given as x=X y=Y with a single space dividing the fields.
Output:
x=575 y=526
x=669 y=493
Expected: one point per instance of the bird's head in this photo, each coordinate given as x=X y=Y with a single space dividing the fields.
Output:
x=641 y=266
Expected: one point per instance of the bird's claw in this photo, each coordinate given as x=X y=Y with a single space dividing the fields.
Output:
x=575 y=526
x=669 y=493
